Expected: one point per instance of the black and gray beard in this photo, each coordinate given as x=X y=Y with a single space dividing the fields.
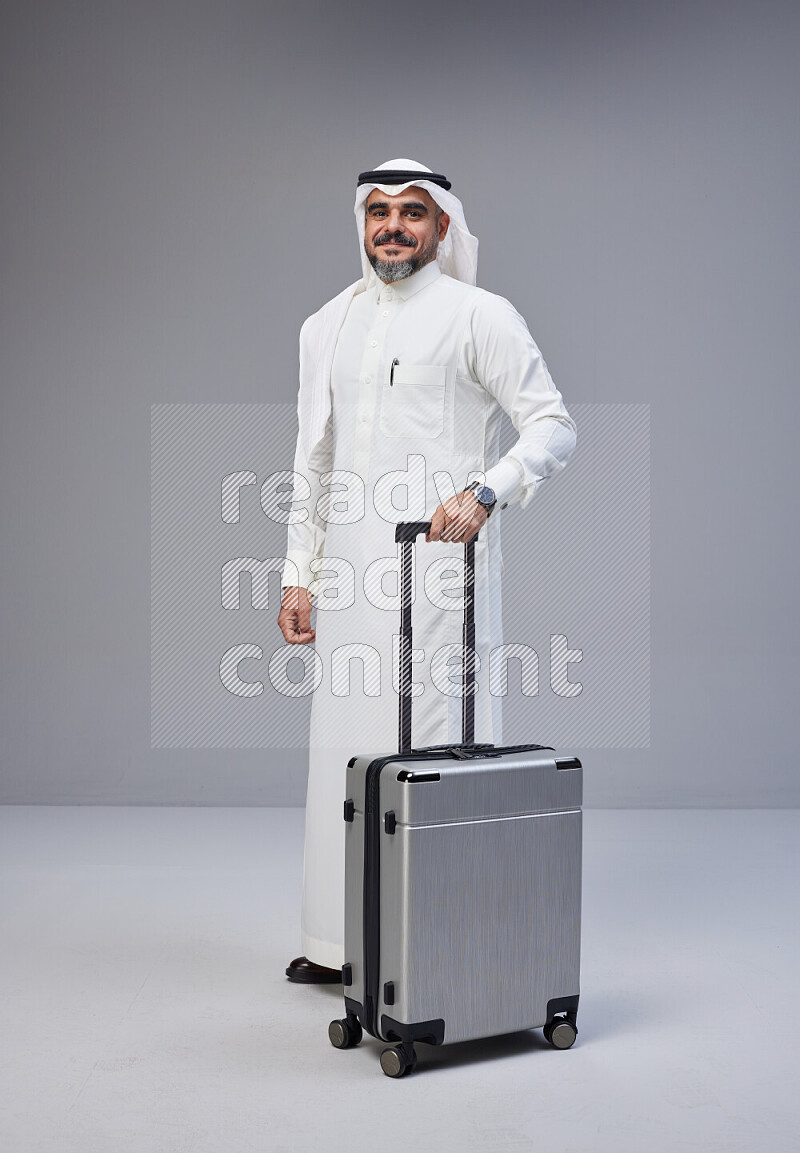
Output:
x=391 y=270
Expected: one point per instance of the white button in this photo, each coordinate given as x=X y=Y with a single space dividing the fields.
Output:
x=362 y=419
x=367 y=380
x=386 y=312
x=373 y=343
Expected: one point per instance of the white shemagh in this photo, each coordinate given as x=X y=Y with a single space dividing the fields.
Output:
x=457 y=256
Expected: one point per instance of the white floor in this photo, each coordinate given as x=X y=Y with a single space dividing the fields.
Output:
x=145 y=1007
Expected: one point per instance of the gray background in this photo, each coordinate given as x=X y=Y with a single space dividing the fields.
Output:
x=177 y=185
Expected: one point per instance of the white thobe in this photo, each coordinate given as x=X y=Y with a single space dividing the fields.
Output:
x=421 y=373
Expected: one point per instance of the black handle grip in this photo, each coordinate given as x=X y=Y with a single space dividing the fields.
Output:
x=410 y=529
x=406 y=533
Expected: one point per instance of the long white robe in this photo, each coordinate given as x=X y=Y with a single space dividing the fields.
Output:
x=421 y=373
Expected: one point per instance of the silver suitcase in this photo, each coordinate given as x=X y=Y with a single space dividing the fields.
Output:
x=462 y=881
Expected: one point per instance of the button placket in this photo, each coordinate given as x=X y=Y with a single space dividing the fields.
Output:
x=367 y=393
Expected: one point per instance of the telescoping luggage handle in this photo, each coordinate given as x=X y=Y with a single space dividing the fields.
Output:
x=406 y=533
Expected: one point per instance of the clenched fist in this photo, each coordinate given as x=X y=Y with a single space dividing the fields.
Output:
x=294 y=619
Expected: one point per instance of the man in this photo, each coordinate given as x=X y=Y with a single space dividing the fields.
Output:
x=404 y=378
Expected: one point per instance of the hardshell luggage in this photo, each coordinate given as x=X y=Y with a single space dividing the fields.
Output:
x=462 y=880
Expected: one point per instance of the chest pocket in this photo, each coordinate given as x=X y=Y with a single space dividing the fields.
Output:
x=413 y=404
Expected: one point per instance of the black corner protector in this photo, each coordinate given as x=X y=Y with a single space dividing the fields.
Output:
x=416 y=778
x=390 y=821
x=568 y=763
x=351 y=762
x=349 y=810
x=429 y=1032
x=355 y=1009
x=347 y=973
x=568 y=1005
x=370 y=1016
x=388 y=993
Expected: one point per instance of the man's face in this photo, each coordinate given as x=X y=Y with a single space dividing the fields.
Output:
x=402 y=232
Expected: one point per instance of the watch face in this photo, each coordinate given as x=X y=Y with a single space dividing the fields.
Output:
x=485 y=495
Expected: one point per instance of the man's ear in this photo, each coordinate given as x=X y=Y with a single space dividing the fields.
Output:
x=444 y=224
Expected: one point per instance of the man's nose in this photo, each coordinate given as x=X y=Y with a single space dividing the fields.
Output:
x=395 y=222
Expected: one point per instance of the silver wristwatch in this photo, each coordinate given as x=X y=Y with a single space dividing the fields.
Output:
x=485 y=496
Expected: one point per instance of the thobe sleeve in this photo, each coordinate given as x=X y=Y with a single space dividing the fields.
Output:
x=511 y=368
x=306 y=538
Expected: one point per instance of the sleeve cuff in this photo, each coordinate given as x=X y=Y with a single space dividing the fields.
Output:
x=506 y=479
x=297 y=570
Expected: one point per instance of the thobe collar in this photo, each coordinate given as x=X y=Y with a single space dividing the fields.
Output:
x=411 y=284
x=318 y=341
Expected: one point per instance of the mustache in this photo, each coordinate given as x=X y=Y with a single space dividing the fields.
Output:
x=393 y=238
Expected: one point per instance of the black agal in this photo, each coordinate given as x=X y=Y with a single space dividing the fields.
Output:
x=401 y=176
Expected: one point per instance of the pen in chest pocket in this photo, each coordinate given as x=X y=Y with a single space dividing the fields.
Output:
x=391 y=370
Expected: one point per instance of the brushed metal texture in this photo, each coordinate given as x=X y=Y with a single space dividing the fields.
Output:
x=354 y=905
x=354 y=880
x=480 y=921
x=480 y=891
x=511 y=785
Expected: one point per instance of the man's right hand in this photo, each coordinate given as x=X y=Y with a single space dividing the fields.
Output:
x=294 y=619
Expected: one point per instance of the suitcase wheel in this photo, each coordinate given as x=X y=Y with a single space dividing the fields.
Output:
x=346 y=1033
x=398 y=1060
x=560 y=1032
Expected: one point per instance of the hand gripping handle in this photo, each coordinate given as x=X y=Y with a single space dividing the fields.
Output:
x=406 y=533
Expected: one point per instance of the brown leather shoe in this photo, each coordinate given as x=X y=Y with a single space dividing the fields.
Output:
x=305 y=972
